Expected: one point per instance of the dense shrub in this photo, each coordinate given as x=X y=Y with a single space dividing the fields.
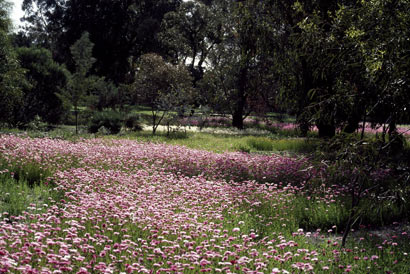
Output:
x=111 y=120
x=132 y=121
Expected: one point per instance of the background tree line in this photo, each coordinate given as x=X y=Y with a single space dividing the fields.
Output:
x=333 y=64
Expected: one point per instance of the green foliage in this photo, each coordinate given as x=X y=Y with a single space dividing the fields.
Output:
x=242 y=148
x=36 y=124
x=191 y=31
x=110 y=120
x=5 y=22
x=238 y=81
x=132 y=121
x=30 y=172
x=162 y=86
x=311 y=214
x=82 y=52
x=23 y=184
x=119 y=29
x=79 y=83
x=260 y=144
x=335 y=67
x=11 y=75
x=293 y=145
x=366 y=170
x=17 y=195
x=46 y=79
x=103 y=94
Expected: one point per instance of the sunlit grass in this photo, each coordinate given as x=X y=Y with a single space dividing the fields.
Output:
x=219 y=143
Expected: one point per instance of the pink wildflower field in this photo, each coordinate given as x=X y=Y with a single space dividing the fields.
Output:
x=133 y=207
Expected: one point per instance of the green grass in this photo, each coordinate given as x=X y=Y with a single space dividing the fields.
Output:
x=204 y=141
x=220 y=143
x=23 y=185
x=230 y=141
x=18 y=195
x=269 y=144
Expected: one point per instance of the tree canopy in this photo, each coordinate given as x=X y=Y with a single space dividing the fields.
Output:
x=333 y=64
x=11 y=75
x=119 y=29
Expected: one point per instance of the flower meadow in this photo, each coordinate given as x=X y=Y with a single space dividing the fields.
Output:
x=133 y=207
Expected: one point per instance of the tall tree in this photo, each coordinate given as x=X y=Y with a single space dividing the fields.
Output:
x=314 y=67
x=11 y=75
x=119 y=29
x=341 y=67
x=46 y=79
x=79 y=83
x=385 y=50
x=234 y=61
x=162 y=86
x=190 y=33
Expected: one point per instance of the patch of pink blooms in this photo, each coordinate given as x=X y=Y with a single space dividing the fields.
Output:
x=124 y=211
x=57 y=154
x=133 y=207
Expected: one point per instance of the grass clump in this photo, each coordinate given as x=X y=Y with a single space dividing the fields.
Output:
x=260 y=144
x=219 y=142
x=18 y=195
x=25 y=185
x=297 y=145
x=30 y=172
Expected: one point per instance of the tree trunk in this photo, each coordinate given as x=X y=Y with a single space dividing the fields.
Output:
x=303 y=125
x=396 y=141
x=306 y=85
x=154 y=122
x=237 y=119
x=392 y=128
x=352 y=126
x=76 y=120
x=358 y=112
x=326 y=130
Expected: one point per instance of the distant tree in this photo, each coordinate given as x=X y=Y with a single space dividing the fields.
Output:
x=21 y=39
x=119 y=30
x=385 y=52
x=104 y=94
x=190 y=33
x=79 y=83
x=11 y=75
x=234 y=62
x=162 y=86
x=337 y=67
x=46 y=79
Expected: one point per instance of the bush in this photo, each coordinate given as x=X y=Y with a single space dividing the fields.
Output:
x=132 y=122
x=84 y=117
x=373 y=182
x=243 y=148
x=37 y=124
x=110 y=120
